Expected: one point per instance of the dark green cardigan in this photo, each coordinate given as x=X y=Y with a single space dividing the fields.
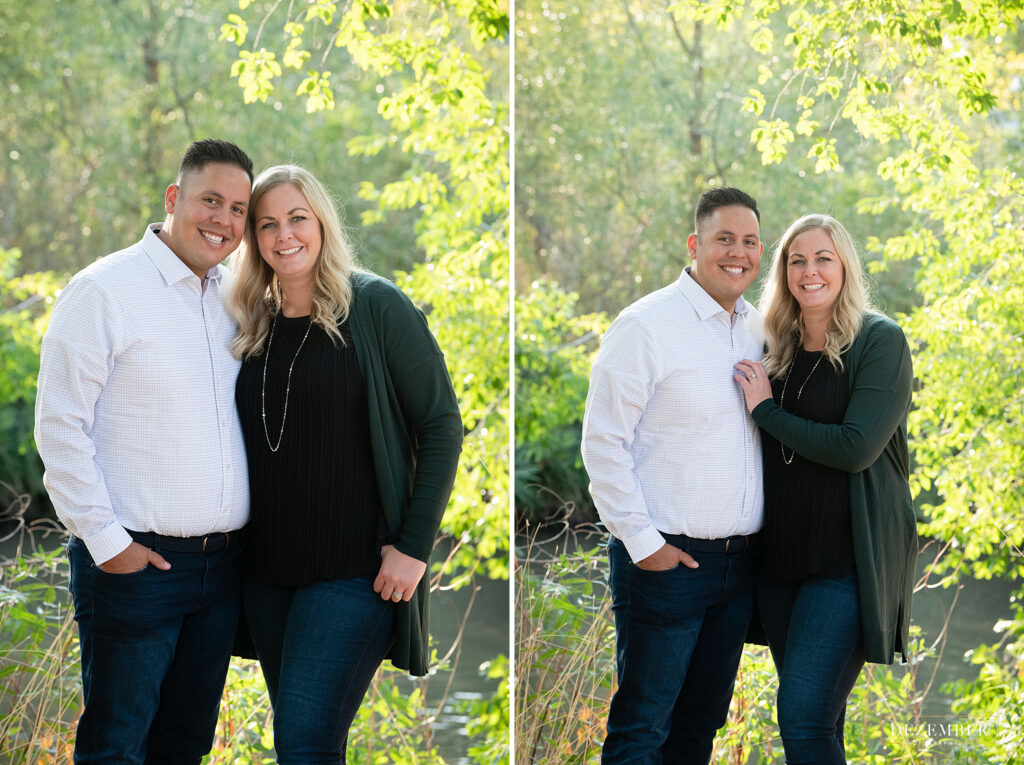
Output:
x=415 y=433
x=871 y=445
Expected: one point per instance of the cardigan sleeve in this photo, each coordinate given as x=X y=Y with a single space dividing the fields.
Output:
x=430 y=410
x=879 y=402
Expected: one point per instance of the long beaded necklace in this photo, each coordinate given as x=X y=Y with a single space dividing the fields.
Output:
x=287 y=389
x=789 y=460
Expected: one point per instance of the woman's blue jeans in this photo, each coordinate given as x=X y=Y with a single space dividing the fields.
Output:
x=319 y=647
x=814 y=631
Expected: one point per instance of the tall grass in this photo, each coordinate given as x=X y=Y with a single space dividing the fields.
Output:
x=38 y=656
x=565 y=646
x=565 y=658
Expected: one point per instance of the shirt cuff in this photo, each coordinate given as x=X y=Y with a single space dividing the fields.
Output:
x=108 y=543
x=644 y=544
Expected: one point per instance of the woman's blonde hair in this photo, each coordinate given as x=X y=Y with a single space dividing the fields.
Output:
x=783 y=322
x=257 y=297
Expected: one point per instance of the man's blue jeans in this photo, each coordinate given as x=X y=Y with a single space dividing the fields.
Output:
x=814 y=632
x=679 y=638
x=155 y=651
x=319 y=647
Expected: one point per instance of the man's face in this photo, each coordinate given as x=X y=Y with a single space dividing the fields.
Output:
x=206 y=215
x=726 y=253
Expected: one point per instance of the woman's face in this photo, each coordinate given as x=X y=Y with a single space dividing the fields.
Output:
x=814 y=272
x=288 y=233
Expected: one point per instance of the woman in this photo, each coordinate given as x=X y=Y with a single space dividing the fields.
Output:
x=353 y=436
x=839 y=539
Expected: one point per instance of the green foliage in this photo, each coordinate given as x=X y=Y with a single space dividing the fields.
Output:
x=466 y=292
x=489 y=715
x=245 y=732
x=392 y=725
x=995 y=700
x=751 y=728
x=25 y=303
x=554 y=350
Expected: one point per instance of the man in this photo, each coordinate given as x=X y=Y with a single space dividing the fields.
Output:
x=675 y=469
x=145 y=465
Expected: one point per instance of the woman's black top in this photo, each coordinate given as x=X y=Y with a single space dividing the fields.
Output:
x=314 y=506
x=807 y=528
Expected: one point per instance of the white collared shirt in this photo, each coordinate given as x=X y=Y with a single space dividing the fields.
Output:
x=135 y=412
x=667 y=439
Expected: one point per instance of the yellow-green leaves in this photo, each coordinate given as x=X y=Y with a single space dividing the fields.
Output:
x=772 y=139
x=762 y=40
x=805 y=125
x=323 y=10
x=754 y=103
x=235 y=30
x=824 y=153
x=256 y=72
x=295 y=56
x=317 y=89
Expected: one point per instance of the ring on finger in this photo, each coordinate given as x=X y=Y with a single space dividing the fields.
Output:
x=397 y=596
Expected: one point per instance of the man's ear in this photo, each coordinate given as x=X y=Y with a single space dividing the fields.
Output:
x=691 y=246
x=170 y=198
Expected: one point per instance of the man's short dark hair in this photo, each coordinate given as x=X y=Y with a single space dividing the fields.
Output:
x=210 y=151
x=726 y=196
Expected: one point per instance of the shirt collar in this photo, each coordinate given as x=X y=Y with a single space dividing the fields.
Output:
x=170 y=266
x=705 y=305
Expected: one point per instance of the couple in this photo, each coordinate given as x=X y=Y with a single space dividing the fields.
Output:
x=689 y=386
x=344 y=415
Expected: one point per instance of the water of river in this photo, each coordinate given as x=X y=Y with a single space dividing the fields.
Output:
x=484 y=636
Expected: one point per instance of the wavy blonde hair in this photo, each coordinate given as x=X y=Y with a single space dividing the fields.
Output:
x=257 y=297
x=783 y=321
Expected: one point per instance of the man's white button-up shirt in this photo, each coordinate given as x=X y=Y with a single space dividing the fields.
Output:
x=135 y=411
x=667 y=439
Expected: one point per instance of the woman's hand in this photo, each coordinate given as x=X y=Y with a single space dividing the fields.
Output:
x=399 y=574
x=754 y=381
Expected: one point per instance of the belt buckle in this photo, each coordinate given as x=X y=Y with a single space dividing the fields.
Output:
x=744 y=537
x=226 y=535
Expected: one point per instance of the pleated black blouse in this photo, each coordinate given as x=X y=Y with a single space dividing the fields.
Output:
x=315 y=509
x=807 y=529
